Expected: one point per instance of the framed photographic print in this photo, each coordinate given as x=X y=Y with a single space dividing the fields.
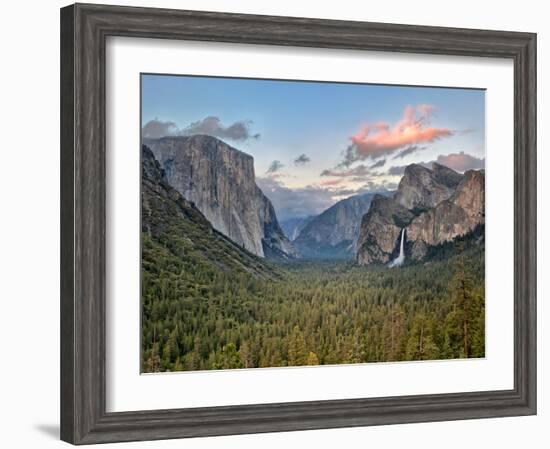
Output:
x=273 y=223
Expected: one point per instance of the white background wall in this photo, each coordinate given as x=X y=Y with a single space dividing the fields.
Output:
x=29 y=223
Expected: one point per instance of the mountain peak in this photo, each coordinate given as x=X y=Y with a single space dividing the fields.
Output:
x=437 y=166
x=416 y=169
x=422 y=188
x=446 y=175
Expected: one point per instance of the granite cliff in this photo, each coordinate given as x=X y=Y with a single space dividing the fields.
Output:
x=380 y=230
x=173 y=227
x=422 y=188
x=220 y=181
x=458 y=215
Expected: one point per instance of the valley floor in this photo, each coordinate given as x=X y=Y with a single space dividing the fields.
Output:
x=312 y=313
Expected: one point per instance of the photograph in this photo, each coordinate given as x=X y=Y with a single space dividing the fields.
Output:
x=295 y=223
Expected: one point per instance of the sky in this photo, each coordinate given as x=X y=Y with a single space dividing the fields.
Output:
x=315 y=143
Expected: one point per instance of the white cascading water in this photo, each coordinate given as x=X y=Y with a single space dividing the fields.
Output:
x=401 y=258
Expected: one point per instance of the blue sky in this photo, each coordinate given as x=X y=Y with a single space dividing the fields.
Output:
x=321 y=142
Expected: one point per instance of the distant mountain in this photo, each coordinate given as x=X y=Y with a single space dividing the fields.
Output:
x=220 y=181
x=334 y=233
x=293 y=226
x=175 y=232
x=433 y=206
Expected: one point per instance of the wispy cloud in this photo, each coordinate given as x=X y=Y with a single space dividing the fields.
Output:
x=274 y=167
x=239 y=131
x=302 y=160
x=295 y=202
x=409 y=150
x=360 y=170
x=312 y=199
x=376 y=140
x=331 y=182
x=378 y=164
x=378 y=186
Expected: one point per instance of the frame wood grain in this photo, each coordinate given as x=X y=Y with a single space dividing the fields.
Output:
x=84 y=29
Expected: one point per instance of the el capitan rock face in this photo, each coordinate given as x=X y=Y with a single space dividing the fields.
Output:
x=167 y=216
x=220 y=181
x=334 y=233
x=434 y=206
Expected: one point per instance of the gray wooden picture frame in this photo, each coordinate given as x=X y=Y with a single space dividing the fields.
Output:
x=84 y=29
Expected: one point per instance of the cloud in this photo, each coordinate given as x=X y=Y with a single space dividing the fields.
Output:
x=331 y=182
x=461 y=161
x=302 y=160
x=298 y=202
x=356 y=172
x=375 y=140
x=378 y=164
x=360 y=170
x=155 y=129
x=238 y=131
x=372 y=186
x=309 y=200
x=409 y=150
x=349 y=156
x=457 y=161
x=274 y=167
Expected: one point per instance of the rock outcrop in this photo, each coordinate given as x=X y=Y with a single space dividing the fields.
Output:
x=380 y=230
x=220 y=181
x=421 y=188
x=334 y=233
x=458 y=215
x=434 y=206
x=172 y=224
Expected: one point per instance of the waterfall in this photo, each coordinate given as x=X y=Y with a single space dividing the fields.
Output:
x=401 y=258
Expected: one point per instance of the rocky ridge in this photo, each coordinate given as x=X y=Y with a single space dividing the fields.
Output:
x=434 y=206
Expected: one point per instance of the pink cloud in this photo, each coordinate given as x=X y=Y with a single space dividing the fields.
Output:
x=377 y=139
x=331 y=182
